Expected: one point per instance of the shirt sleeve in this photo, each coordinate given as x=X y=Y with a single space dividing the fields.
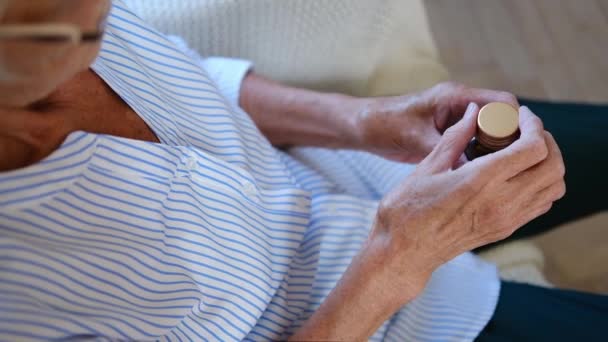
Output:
x=227 y=73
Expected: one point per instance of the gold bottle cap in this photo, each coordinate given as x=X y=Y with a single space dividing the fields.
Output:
x=498 y=125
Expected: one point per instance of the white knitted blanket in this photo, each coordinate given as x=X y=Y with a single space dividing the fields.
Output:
x=363 y=47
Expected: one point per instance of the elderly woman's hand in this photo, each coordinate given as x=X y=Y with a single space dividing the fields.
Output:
x=30 y=69
x=439 y=213
x=407 y=128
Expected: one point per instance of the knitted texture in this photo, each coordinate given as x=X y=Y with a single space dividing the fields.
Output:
x=362 y=47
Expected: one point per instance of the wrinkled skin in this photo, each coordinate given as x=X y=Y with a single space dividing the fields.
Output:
x=442 y=212
x=407 y=128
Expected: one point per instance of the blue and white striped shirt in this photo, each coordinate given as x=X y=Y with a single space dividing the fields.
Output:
x=212 y=234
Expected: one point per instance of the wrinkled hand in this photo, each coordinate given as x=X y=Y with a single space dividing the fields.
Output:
x=407 y=128
x=440 y=212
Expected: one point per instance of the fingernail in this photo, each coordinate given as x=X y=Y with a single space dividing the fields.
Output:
x=471 y=108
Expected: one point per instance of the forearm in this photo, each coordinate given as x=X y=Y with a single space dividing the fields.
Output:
x=290 y=116
x=369 y=293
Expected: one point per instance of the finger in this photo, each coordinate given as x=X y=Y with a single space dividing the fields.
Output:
x=453 y=142
x=548 y=172
x=530 y=215
x=529 y=150
x=460 y=162
x=485 y=96
x=481 y=97
x=557 y=152
x=431 y=139
x=531 y=206
x=550 y=194
x=514 y=224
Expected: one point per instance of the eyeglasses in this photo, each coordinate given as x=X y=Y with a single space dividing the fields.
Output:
x=49 y=33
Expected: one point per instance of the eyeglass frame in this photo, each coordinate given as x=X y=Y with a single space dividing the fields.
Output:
x=51 y=32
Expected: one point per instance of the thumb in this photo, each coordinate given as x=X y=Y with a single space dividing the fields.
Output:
x=453 y=142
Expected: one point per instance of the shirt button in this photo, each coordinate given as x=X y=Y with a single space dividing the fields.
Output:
x=249 y=189
x=334 y=210
x=303 y=202
x=192 y=164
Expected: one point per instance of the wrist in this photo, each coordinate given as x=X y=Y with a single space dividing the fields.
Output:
x=346 y=111
x=367 y=295
x=402 y=262
x=389 y=126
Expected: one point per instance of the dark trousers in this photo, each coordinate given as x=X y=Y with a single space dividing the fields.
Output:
x=531 y=313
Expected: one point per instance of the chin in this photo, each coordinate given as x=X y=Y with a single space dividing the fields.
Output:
x=23 y=95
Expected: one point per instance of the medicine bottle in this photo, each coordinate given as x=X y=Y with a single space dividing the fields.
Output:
x=497 y=128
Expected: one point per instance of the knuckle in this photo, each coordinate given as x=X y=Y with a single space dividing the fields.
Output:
x=450 y=137
x=562 y=190
x=552 y=143
x=450 y=131
x=549 y=140
x=538 y=124
x=503 y=233
x=561 y=169
x=508 y=97
x=538 y=149
x=450 y=86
